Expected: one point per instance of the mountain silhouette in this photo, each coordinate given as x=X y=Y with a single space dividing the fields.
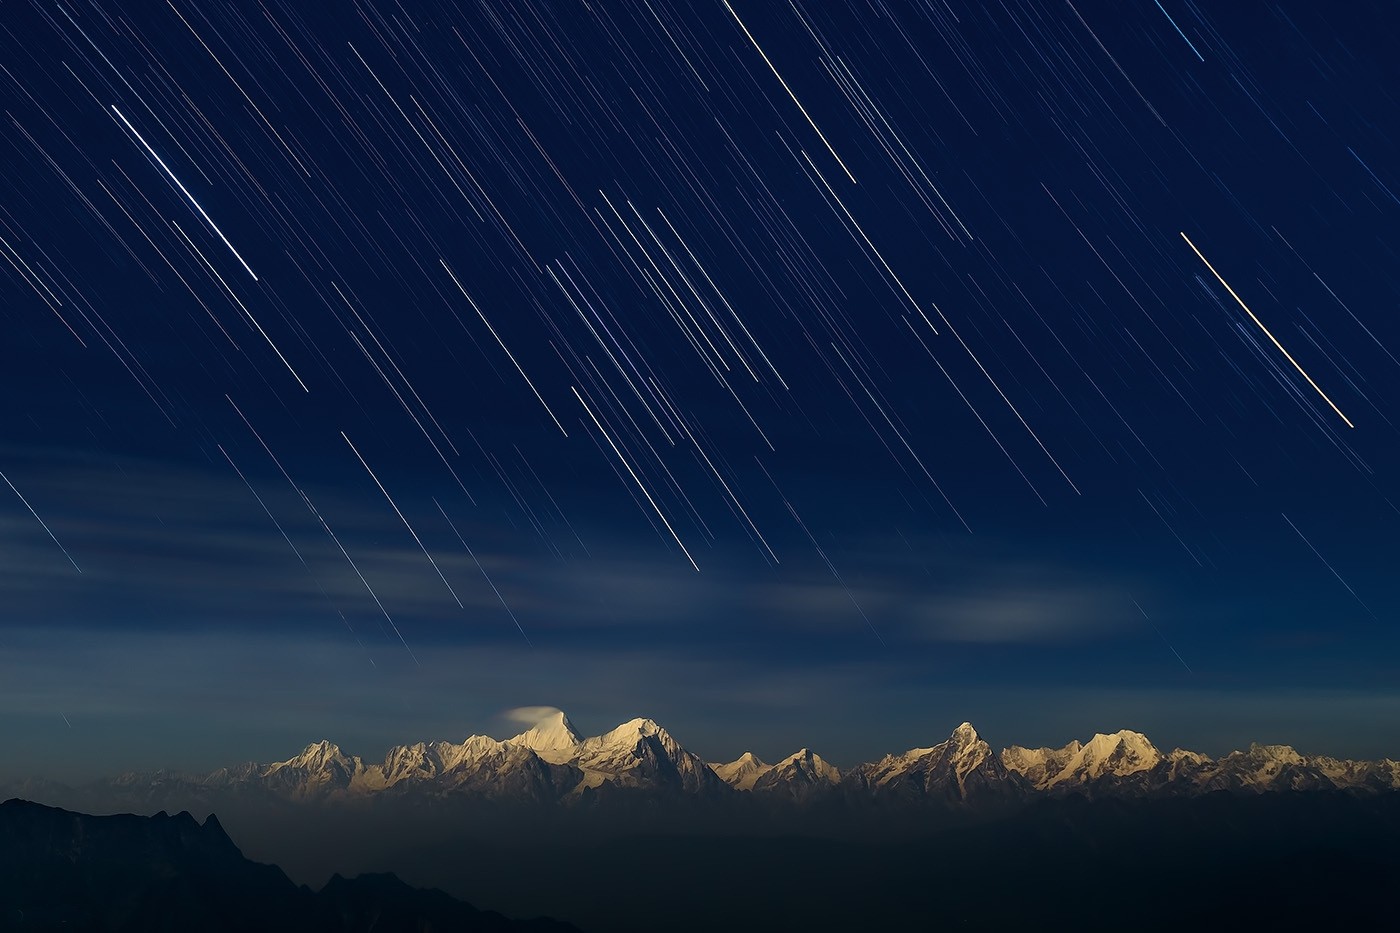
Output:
x=61 y=870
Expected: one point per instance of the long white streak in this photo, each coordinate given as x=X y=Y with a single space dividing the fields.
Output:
x=409 y=412
x=255 y=107
x=1328 y=566
x=1163 y=637
x=42 y=524
x=1170 y=528
x=894 y=135
x=389 y=356
x=914 y=304
x=1339 y=301
x=900 y=434
x=484 y=574
x=351 y=562
x=732 y=496
x=261 y=503
x=306 y=500
x=37 y=277
x=1006 y=400
x=505 y=348
x=23 y=275
x=662 y=276
x=550 y=496
x=444 y=168
x=1198 y=55
x=634 y=478
x=745 y=409
x=675 y=483
x=596 y=336
x=789 y=91
x=184 y=191
x=820 y=553
x=974 y=411
x=1266 y=331
x=604 y=385
x=142 y=230
x=732 y=312
x=242 y=306
x=832 y=568
x=395 y=507
x=691 y=287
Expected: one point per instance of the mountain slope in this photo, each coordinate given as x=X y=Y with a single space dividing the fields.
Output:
x=742 y=772
x=961 y=770
x=801 y=775
x=65 y=870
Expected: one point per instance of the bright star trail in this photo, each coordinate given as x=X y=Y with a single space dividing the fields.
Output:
x=1268 y=333
x=797 y=362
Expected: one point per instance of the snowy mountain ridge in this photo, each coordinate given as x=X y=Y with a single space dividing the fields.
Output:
x=550 y=763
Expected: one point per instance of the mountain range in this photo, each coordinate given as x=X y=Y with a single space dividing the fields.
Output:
x=551 y=765
x=630 y=831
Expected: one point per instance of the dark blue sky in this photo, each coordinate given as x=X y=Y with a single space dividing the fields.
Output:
x=385 y=367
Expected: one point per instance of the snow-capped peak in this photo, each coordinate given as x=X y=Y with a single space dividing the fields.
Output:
x=1119 y=754
x=964 y=734
x=742 y=772
x=552 y=738
x=806 y=765
x=1285 y=754
x=314 y=757
x=550 y=763
x=320 y=766
x=627 y=734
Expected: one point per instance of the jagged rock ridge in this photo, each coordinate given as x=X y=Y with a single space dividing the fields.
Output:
x=72 y=871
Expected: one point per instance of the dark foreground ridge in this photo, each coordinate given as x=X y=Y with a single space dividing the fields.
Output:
x=1315 y=861
x=68 y=871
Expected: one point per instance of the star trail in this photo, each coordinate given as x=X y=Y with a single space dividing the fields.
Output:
x=383 y=362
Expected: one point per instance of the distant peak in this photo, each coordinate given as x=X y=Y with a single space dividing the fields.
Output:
x=553 y=732
x=317 y=754
x=1285 y=753
x=965 y=732
x=1122 y=737
x=631 y=731
x=743 y=771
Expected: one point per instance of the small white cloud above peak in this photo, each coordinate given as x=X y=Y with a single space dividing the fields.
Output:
x=532 y=715
x=550 y=734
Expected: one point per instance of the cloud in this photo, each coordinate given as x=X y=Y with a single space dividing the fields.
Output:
x=1029 y=614
x=531 y=715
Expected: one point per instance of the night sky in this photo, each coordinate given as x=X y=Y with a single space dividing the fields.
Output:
x=793 y=374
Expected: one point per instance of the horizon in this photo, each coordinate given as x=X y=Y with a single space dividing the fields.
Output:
x=369 y=755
